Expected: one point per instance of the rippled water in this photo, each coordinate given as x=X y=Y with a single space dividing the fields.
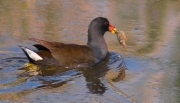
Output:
x=147 y=71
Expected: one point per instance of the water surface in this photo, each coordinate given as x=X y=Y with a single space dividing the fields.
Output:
x=147 y=71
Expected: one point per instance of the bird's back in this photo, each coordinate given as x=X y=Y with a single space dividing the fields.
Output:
x=68 y=55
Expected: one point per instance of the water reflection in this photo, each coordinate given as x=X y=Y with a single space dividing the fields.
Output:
x=146 y=22
x=53 y=77
x=112 y=69
x=149 y=24
x=113 y=63
x=155 y=16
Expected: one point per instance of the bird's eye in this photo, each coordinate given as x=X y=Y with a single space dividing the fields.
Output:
x=106 y=23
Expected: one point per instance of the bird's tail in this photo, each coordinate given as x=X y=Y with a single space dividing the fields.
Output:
x=31 y=55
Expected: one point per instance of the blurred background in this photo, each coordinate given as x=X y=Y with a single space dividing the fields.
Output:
x=152 y=58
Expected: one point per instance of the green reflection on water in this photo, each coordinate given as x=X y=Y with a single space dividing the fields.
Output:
x=51 y=13
x=155 y=13
x=177 y=58
x=152 y=18
x=148 y=17
x=14 y=15
x=24 y=20
x=20 y=18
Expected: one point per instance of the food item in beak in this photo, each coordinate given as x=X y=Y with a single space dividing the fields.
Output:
x=122 y=38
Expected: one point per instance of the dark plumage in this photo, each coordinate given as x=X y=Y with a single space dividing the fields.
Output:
x=73 y=55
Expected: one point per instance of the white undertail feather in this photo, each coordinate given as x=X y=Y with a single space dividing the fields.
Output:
x=34 y=56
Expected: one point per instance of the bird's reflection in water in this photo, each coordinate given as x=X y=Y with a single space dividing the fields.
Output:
x=112 y=69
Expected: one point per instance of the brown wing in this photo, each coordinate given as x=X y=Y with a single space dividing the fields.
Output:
x=69 y=55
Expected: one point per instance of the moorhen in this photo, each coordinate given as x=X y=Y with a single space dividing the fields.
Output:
x=73 y=55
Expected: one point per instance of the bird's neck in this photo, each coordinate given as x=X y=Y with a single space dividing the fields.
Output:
x=97 y=42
